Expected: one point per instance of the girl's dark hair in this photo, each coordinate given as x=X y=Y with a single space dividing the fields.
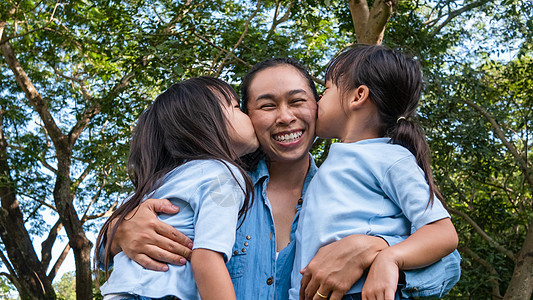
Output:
x=394 y=81
x=253 y=159
x=186 y=122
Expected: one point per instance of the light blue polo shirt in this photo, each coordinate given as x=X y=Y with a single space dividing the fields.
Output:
x=209 y=198
x=369 y=187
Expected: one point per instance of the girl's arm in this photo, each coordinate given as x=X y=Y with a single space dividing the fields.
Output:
x=211 y=275
x=424 y=247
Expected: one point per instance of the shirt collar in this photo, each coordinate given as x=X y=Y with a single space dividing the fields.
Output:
x=261 y=172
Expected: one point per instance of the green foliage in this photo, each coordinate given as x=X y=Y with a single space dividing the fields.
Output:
x=78 y=58
x=66 y=286
x=476 y=169
x=6 y=289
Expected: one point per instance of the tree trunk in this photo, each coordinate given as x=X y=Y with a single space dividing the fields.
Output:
x=521 y=285
x=32 y=282
x=370 y=24
x=63 y=197
x=81 y=246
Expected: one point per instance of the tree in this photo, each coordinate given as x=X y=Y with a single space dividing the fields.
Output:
x=75 y=76
x=482 y=147
x=70 y=86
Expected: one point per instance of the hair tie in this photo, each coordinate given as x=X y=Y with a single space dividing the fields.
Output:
x=400 y=118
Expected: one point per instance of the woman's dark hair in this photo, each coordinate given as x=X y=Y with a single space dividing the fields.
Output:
x=252 y=159
x=269 y=63
x=186 y=122
x=394 y=81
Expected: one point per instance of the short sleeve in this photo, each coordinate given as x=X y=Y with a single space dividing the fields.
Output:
x=405 y=184
x=216 y=204
x=392 y=239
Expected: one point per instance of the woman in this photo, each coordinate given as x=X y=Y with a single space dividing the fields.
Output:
x=280 y=97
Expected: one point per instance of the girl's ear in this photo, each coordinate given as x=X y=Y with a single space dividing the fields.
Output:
x=359 y=97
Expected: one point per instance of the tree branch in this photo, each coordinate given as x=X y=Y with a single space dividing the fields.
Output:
x=46 y=165
x=80 y=179
x=523 y=165
x=16 y=239
x=93 y=199
x=46 y=245
x=246 y=25
x=33 y=30
x=7 y=264
x=35 y=98
x=105 y=214
x=360 y=14
x=493 y=279
x=483 y=234
x=32 y=214
x=283 y=18
x=222 y=49
x=75 y=79
x=453 y=14
x=168 y=27
x=12 y=275
x=96 y=107
x=52 y=274
x=40 y=201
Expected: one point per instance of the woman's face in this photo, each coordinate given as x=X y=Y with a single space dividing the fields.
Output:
x=283 y=112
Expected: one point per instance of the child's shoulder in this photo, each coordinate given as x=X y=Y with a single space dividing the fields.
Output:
x=204 y=170
x=372 y=150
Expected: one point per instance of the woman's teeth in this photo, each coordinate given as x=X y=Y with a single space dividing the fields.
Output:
x=287 y=138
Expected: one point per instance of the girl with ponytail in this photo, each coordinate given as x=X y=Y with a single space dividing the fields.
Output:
x=378 y=179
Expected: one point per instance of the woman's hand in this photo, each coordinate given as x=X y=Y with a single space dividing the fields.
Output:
x=149 y=241
x=337 y=266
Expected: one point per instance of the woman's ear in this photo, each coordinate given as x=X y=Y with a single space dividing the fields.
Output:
x=359 y=97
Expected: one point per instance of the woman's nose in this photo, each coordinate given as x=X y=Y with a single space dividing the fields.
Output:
x=286 y=115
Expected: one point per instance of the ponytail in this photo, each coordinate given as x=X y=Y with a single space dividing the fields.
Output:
x=407 y=132
x=394 y=82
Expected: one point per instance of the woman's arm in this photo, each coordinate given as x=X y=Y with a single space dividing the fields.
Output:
x=149 y=241
x=425 y=246
x=211 y=275
x=337 y=266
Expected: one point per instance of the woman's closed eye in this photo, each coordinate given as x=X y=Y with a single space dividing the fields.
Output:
x=267 y=106
x=299 y=100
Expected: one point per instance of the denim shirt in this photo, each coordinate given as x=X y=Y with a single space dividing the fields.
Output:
x=257 y=274
x=254 y=269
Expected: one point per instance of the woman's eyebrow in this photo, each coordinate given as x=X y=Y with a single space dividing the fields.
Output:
x=287 y=94
x=265 y=97
x=297 y=91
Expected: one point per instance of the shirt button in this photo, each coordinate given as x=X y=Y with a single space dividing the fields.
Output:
x=270 y=281
x=300 y=201
x=248 y=237
x=245 y=243
x=235 y=252
x=243 y=250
